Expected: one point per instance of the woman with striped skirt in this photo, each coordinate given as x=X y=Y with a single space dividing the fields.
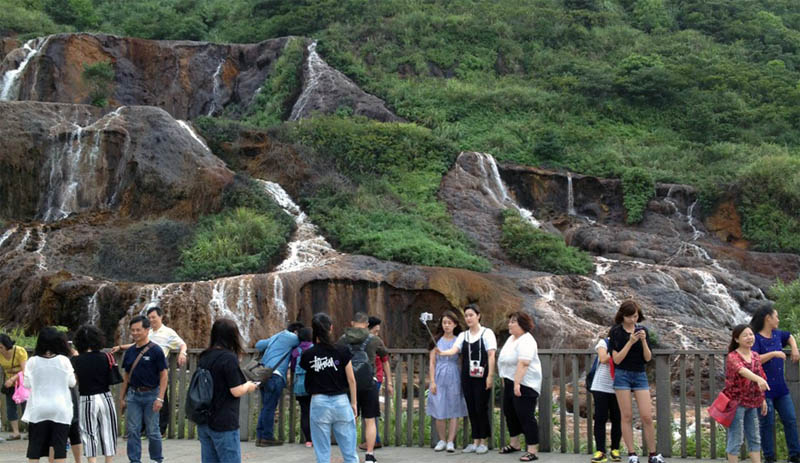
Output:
x=98 y=417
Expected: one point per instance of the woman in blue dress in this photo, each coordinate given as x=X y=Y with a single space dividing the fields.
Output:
x=445 y=400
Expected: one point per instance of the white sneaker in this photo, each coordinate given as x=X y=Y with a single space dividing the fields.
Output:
x=469 y=449
x=440 y=446
x=656 y=459
x=633 y=459
x=451 y=447
x=481 y=449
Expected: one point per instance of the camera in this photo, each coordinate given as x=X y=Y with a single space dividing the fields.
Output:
x=475 y=369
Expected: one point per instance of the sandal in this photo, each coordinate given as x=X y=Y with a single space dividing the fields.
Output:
x=509 y=449
x=528 y=456
x=14 y=437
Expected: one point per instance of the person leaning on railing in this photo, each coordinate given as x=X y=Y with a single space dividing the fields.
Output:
x=521 y=370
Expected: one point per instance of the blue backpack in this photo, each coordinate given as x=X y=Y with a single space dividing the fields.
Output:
x=299 y=377
x=593 y=370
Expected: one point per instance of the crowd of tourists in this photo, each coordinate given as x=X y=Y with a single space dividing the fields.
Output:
x=64 y=390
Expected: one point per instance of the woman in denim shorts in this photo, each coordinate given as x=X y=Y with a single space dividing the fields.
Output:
x=745 y=383
x=630 y=352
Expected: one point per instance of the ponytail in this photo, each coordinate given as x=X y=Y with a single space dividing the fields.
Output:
x=321 y=326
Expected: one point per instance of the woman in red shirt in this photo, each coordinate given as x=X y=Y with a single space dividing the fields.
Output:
x=745 y=383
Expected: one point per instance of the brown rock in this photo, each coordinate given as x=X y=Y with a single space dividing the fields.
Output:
x=726 y=224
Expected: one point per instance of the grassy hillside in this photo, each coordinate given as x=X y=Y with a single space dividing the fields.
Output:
x=705 y=92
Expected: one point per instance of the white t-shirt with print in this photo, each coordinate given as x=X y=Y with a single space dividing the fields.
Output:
x=602 y=376
x=521 y=348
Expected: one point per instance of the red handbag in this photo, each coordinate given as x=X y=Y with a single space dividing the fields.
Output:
x=723 y=410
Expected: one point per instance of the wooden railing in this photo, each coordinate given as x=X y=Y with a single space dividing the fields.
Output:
x=680 y=381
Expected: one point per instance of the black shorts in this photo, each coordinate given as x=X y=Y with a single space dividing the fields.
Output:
x=46 y=434
x=75 y=433
x=368 y=404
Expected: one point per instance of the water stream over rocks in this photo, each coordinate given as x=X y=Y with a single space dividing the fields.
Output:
x=10 y=87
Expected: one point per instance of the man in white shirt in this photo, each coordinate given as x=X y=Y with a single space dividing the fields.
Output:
x=168 y=340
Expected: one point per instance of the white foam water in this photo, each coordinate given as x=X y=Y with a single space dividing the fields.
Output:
x=316 y=68
x=245 y=303
x=188 y=128
x=278 y=301
x=7 y=234
x=215 y=89
x=307 y=247
x=570 y=196
x=93 y=309
x=10 y=87
x=493 y=186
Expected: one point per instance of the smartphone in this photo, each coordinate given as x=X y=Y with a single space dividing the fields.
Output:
x=257 y=383
x=638 y=328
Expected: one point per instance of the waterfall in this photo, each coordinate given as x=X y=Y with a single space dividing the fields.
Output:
x=7 y=235
x=493 y=186
x=94 y=309
x=307 y=247
x=10 y=88
x=243 y=316
x=605 y=292
x=316 y=67
x=278 y=300
x=721 y=297
x=74 y=167
x=695 y=232
x=188 y=128
x=570 y=196
x=216 y=88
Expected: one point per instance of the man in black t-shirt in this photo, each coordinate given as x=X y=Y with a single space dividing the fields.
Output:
x=142 y=391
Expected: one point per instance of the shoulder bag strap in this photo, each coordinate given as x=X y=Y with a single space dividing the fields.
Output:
x=139 y=357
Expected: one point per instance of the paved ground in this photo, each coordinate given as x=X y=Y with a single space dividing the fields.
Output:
x=188 y=451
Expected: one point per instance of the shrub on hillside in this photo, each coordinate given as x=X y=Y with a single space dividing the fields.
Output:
x=238 y=241
x=637 y=187
x=787 y=303
x=538 y=250
x=99 y=78
x=272 y=104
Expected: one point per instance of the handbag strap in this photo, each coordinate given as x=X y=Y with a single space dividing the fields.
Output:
x=111 y=361
x=139 y=357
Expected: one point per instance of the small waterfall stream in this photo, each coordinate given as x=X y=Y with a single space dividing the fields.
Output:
x=10 y=88
x=316 y=67
x=190 y=130
x=570 y=196
x=7 y=235
x=216 y=88
x=243 y=295
x=307 y=247
x=493 y=186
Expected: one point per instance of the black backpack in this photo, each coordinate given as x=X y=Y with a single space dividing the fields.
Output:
x=200 y=396
x=362 y=365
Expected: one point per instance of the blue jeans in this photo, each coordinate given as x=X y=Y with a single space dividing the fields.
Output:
x=627 y=380
x=333 y=411
x=140 y=407
x=219 y=447
x=785 y=409
x=270 y=395
x=744 y=423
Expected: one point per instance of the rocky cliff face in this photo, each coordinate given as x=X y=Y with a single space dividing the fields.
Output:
x=186 y=79
x=59 y=159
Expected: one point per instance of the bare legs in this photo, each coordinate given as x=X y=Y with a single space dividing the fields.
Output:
x=625 y=400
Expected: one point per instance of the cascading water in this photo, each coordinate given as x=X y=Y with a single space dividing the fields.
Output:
x=570 y=196
x=10 y=88
x=245 y=304
x=216 y=88
x=690 y=219
x=277 y=296
x=188 y=128
x=307 y=247
x=316 y=67
x=7 y=235
x=93 y=308
x=719 y=294
x=494 y=187
x=74 y=166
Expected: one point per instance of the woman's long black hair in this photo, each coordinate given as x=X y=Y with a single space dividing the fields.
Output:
x=757 y=322
x=225 y=335
x=53 y=341
x=737 y=331
x=321 y=326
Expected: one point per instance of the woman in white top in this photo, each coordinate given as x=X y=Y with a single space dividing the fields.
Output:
x=49 y=375
x=606 y=407
x=521 y=370
x=478 y=345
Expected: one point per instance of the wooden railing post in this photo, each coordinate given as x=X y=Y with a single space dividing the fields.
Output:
x=663 y=406
x=546 y=404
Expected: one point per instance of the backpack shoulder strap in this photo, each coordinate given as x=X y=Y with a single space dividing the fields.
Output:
x=366 y=342
x=139 y=357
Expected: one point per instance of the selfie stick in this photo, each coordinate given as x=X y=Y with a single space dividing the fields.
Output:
x=424 y=318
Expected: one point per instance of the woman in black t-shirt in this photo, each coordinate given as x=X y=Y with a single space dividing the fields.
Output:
x=219 y=438
x=329 y=380
x=630 y=352
x=97 y=416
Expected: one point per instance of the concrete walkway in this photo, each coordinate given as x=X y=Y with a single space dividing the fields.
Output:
x=188 y=451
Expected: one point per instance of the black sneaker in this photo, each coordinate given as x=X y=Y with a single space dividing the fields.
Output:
x=370 y=457
x=769 y=460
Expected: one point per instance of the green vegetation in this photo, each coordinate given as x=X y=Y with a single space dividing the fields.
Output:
x=248 y=236
x=703 y=92
x=28 y=342
x=99 y=78
x=638 y=188
x=274 y=102
x=787 y=303
x=539 y=250
x=389 y=209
